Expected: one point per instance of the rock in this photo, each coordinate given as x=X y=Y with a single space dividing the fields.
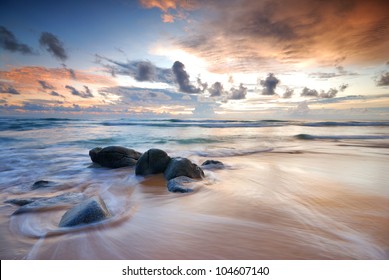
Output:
x=182 y=167
x=46 y=203
x=43 y=184
x=89 y=211
x=20 y=202
x=114 y=156
x=212 y=164
x=153 y=161
x=178 y=184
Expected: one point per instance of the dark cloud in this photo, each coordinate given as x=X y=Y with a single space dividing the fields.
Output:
x=145 y=71
x=343 y=87
x=216 y=89
x=309 y=92
x=7 y=89
x=269 y=84
x=9 y=42
x=288 y=93
x=182 y=78
x=84 y=94
x=140 y=70
x=383 y=80
x=239 y=93
x=71 y=72
x=53 y=45
x=331 y=93
x=54 y=93
x=45 y=85
x=202 y=86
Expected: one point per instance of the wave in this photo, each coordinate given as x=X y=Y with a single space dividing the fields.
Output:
x=340 y=137
x=349 y=123
x=232 y=152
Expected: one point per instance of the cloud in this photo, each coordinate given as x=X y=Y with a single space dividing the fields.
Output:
x=288 y=32
x=331 y=93
x=45 y=85
x=239 y=93
x=54 y=93
x=288 y=93
x=72 y=73
x=269 y=84
x=9 y=42
x=343 y=87
x=182 y=78
x=216 y=89
x=53 y=45
x=383 y=80
x=83 y=94
x=172 y=9
x=145 y=71
x=340 y=72
x=140 y=70
x=7 y=89
x=202 y=86
x=309 y=92
x=300 y=110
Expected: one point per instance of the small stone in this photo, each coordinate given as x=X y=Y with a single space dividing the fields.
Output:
x=212 y=164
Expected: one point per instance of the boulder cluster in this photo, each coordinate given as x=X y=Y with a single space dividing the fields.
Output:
x=154 y=161
x=179 y=173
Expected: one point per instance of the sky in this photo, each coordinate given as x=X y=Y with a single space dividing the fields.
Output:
x=195 y=59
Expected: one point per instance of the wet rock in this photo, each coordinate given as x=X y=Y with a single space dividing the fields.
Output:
x=46 y=203
x=89 y=211
x=20 y=202
x=183 y=167
x=43 y=184
x=212 y=164
x=180 y=184
x=153 y=161
x=114 y=156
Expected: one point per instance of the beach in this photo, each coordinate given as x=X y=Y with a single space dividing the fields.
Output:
x=289 y=189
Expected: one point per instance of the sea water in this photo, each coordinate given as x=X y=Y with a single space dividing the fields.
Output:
x=289 y=190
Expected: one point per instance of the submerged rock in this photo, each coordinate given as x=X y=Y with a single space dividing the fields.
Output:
x=89 y=211
x=43 y=184
x=179 y=184
x=153 y=161
x=212 y=164
x=183 y=167
x=114 y=156
x=46 y=203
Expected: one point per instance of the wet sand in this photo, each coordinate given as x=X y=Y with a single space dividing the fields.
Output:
x=262 y=206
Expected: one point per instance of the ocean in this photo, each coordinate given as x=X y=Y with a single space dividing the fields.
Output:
x=289 y=190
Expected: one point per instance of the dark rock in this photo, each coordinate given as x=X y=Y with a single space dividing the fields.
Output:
x=20 y=202
x=178 y=184
x=153 y=161
x=114 y=156
x=43 y=184
x=93 y=153
x=46 y=203
x=212 y=164
x=182 y=167
x=89 y=211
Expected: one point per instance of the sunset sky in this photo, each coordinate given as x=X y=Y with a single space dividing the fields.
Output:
x=194 y=58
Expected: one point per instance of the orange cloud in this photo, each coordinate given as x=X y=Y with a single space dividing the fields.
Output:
x=178 y=6
x=247 y=36
x=50 y=84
